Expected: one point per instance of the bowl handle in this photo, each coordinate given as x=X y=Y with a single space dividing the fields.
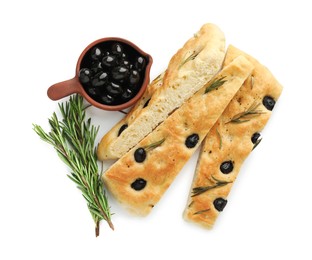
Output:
x=64 y=89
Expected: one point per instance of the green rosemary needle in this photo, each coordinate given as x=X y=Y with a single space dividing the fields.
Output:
x=215 y=84
x=154 y=145
x=201 y=211
x=158 y=78
x=245 y=116
x=220 y=139
x=73 y=138
x=192 y=56
x=199 y=190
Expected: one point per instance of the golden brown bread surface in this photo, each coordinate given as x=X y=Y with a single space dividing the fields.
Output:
x=140 y=184
x=231 y=140
x=192 y=66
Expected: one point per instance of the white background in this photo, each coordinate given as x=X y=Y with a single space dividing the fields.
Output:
x=43 y=215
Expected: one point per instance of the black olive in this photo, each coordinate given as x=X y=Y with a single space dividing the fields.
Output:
x=117 y=49
x=255 y=137
x=219 y=204
x=91 y=91
x=96 y=67
x=191 y=140
x=268 y=102
x=226 y=167
x=96 y=53
x=146 y=103
x=140 y=63
x=107 y=99
x=134 y=77
x=109 y=61
x=127 y=94
x=99 y=79
x=97 y=83
x=113 y=89
x=122 y=128
x=139 y=155
x=103 y=76
x=125 y=63
x=138 y=184
x=120 y=73
x=85 y=75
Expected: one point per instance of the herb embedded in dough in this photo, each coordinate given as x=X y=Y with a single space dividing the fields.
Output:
x=220 y=139
x=252 y=81
x=201 y=211
x=245 y=116
x=199 y=190
x=158 y=78
x=190 y=57
x=215 y=84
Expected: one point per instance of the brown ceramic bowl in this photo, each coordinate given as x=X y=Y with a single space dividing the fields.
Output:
x=71 y=86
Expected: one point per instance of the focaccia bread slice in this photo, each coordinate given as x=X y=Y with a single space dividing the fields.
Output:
x=139 y=178
x=230 y=141
x=189 y=69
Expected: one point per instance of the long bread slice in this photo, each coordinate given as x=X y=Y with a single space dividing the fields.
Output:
x=230 y=141
x=140 y=177
x=189 y=69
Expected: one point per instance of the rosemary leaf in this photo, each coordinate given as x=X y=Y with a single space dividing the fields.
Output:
x=154 y=145
x=215 y=84
x=245 y=116
x=201 y=189
x=192 y=56
x=95 y=212
x=158 y=78
x=220 y=139
x=256 y=144
x=73 y=138
x=73 y=178
x=192 y=202
x=87 y=199
x=201 y=211
x=252 y=81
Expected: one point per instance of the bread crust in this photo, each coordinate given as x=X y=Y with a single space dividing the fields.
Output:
x=195 y=63
x=230 y=140
x=165 y=161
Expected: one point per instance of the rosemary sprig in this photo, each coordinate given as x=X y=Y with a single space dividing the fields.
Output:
x=73 y=138
x=245 y=116
x=192 y=56
x=215 y=84
x=201 y=189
